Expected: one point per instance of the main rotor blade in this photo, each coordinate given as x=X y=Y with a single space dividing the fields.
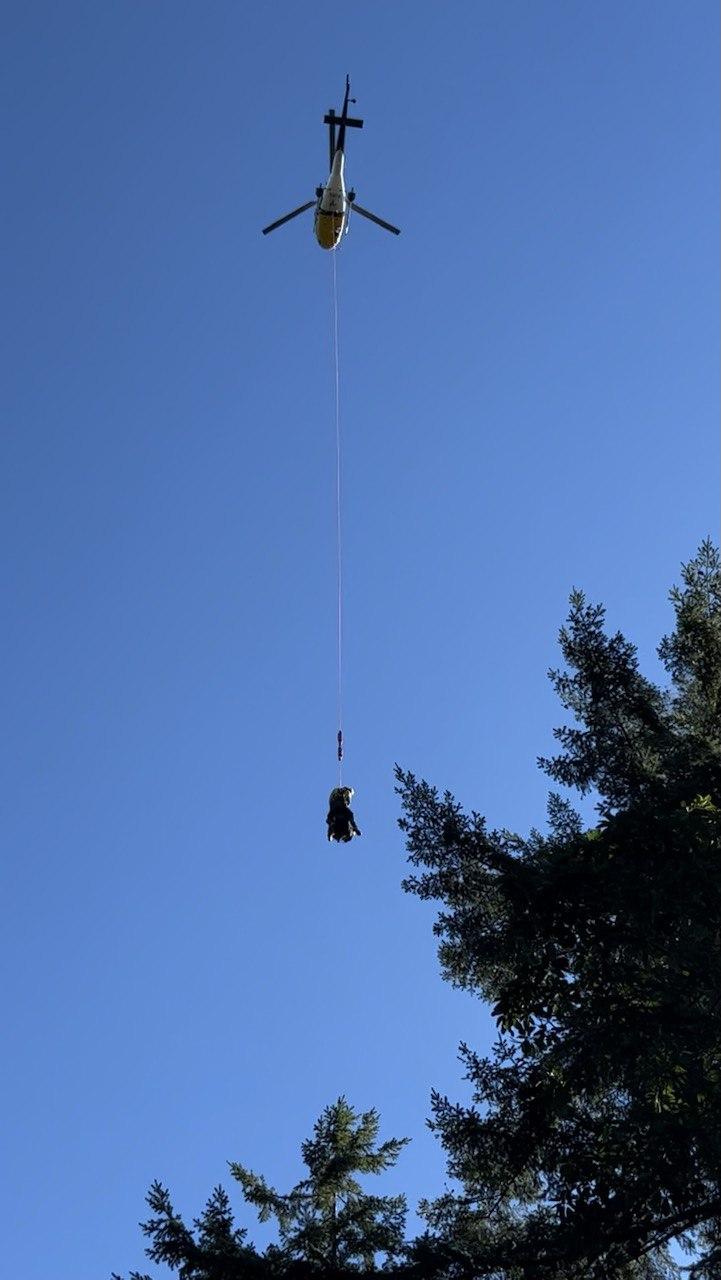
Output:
x=288 y=217
x=365 y=213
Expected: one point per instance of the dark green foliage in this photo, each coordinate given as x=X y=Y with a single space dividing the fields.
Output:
x=214 y=1250
x=326 y=1224
x=327 y=1220
x=596 y=1130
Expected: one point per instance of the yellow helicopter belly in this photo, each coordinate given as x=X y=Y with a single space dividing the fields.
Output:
x=328 y=228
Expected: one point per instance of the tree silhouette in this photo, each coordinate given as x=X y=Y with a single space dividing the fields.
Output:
x=594 y=1136
x=327 y=1220
x=327 y=1223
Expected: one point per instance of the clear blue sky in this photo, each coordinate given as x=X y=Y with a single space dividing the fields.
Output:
x=529 y=403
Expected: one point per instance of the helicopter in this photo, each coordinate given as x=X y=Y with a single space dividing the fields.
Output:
x=333 y=202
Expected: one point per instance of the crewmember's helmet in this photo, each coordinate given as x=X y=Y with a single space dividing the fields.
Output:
x=341 y=795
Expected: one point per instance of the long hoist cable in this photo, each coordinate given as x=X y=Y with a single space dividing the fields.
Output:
x=338 y=521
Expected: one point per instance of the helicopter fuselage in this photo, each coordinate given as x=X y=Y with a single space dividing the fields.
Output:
x=333 y=207
x=332 y=202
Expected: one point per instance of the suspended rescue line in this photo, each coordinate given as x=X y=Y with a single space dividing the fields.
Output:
x=332 y=218
x=341 y=824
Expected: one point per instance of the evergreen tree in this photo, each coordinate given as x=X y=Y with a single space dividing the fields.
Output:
x=214 y=1249
x=595 y=1133
x=327 y=1224
x=327 y=1221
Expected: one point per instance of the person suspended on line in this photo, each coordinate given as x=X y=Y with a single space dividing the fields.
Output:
x=341 y=823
